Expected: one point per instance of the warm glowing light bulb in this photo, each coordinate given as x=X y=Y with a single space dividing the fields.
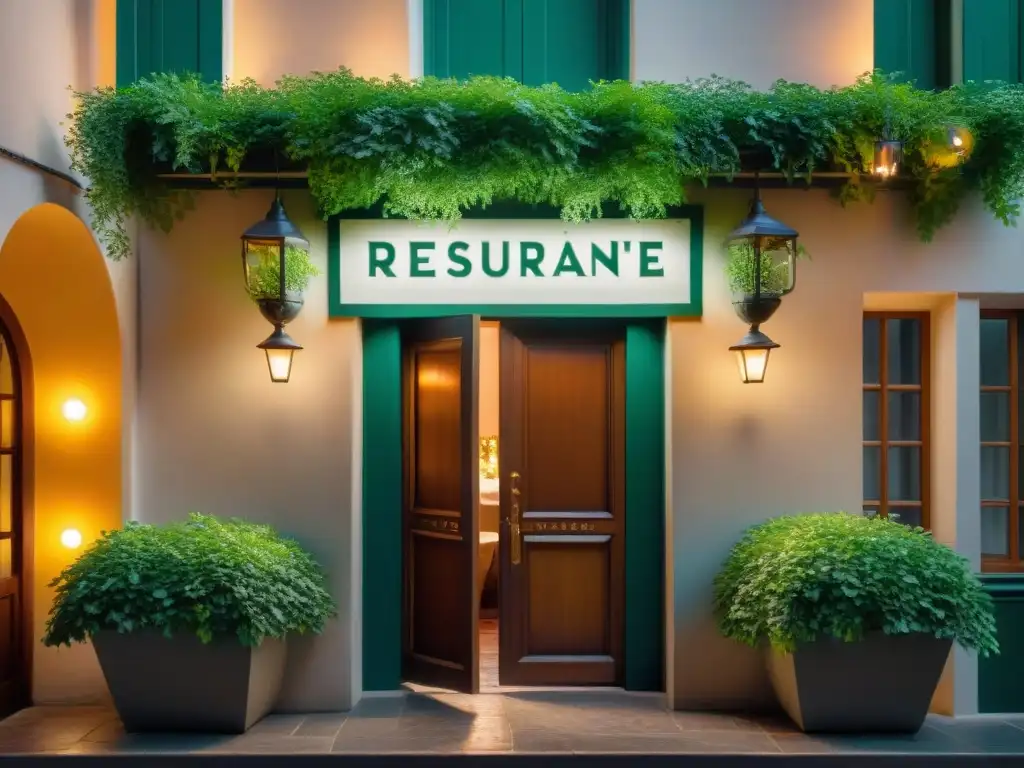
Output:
x=71 y=538
x=958 y=141
x=74 y=409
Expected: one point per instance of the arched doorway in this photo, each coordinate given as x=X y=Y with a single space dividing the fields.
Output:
x=13 y=662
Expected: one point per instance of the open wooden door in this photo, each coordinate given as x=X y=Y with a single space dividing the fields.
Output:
x=441 y=499
x=562 y=497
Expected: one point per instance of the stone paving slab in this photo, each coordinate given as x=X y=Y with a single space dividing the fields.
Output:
x=505 y=729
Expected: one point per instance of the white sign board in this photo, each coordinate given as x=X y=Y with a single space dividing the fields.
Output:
x=490 y=264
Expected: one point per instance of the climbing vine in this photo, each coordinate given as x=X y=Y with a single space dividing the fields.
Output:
x=431 y=149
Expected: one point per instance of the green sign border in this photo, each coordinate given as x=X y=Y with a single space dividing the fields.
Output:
x=693 y=308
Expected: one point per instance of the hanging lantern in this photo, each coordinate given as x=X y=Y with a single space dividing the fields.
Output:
x=752 y=353
x=888 y=156
x=761 y=270
x=265 y=248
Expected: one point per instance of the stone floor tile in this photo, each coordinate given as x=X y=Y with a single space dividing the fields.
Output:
x=249 y=744
x=379 y=706
x=712 y=721
x=284 y=725
x=321 y=724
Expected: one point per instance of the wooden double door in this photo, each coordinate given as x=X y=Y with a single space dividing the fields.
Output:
x=562 y=503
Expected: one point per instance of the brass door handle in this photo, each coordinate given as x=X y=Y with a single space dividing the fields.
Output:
x=517 y=544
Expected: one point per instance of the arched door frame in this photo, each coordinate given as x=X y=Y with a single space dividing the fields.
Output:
x=22 y=519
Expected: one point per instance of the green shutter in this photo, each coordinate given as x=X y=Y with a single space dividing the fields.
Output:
x=912 y=37
x=169 y=36
x=991 y=40
x=570 y=42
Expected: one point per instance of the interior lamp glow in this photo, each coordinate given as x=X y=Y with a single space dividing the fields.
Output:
x=280 y=349
x=74 y=409
x=888 y=155
x=71 y=538
x=752 y=353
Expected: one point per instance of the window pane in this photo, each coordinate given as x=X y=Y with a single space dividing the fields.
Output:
x=6 y=423
x=5 y=558
x=995 y=473
x=903 y=337
x=995 y=417
x=995 y=352
x=6 y=492
x=904 y=415
x=905 y=474
x=995 y=531
x=872 y=416
x=872 y=473
x=907 y=515
x=872 y=351
x=6 y=373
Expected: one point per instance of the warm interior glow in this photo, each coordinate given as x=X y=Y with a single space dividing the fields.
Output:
x=752 y=364
x=958 y=141
x=885 y=171
x=280 y=363
x=71 y=538
x=74 y=409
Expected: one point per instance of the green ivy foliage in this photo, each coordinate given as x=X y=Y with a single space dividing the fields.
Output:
x=430 y=149
x=214 y=578
x=265 y=275
x=794 y=579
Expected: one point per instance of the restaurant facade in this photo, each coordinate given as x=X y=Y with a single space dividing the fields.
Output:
x=590 y=361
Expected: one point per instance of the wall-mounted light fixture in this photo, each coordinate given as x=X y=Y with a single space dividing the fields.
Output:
x=265 y=242
x=762 y=269
x=71 y=538
x=74 y=409
x=752 y=353
x=888 y=156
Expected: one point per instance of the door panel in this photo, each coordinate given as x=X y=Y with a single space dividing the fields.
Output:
x=441 y=495
x=563 y=507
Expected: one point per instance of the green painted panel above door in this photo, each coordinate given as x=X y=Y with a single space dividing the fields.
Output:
x=992 y=40
x=169 y=36
x=571 y=42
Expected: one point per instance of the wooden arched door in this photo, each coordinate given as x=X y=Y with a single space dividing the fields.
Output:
x=13 y=664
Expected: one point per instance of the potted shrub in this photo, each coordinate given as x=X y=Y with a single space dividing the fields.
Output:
x=264 y=276
x=856 y=614
x=189 y=620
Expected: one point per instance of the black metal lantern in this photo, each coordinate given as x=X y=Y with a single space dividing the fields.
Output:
x=762 y=269
x=752 y=353
x=762 y=263
x=888 y=156
x=264 y=251
x=280 y=349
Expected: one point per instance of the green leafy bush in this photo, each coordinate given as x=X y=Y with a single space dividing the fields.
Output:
x=265 y=275
x=431 y=149
x=215 y=578
x=741 y=264
x=794 y=579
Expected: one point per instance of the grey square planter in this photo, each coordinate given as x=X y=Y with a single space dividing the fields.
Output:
x=181 y=684
x=882 y=684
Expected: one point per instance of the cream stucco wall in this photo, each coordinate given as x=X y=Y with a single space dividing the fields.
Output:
x=52 y=270
x=370 y=38
x=740 y=454
x=215 y=435
x=822 y=43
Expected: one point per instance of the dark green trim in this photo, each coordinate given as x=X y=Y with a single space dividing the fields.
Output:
x=913 y=37
x=999 y=677
x=616 y=17
x=169 y=36
x=992 y=40
x=645 y=502
x=694 y=213
x=645 y=505
x=382 y=506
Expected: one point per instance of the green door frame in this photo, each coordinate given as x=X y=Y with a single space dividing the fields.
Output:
x=645 y=479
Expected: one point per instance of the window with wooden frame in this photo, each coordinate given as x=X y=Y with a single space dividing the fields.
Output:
x=896 y=397
x=1001 y=438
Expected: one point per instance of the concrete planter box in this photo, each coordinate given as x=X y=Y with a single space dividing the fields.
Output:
x=181 y=684
x=882 y=684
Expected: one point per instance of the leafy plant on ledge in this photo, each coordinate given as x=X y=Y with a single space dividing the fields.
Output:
x=431 y=149
x=265 y=275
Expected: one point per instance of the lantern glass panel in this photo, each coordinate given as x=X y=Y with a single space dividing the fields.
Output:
x=280 y=363
x=262 y=260
x=753 y=364
x=777 y=260
x=888 y=155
